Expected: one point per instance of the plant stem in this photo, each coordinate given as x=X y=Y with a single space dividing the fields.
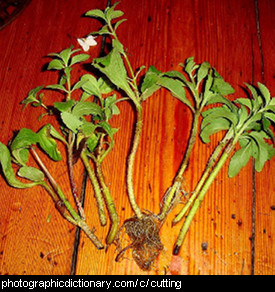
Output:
x=76 y=219
x=137 y=133
x=110 y=206
x=178 y=180
x=206 y=172
x=126 y=59
x=200 y=197
x=191 y=143
x=131 y=159
x=71 y=137
x=58 y=203
x=106 y=152
x=97 y=190
x=55 y=185
x=71 y=174
x=83 y=225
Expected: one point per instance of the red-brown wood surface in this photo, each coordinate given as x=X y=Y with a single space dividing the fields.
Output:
x=236 y=220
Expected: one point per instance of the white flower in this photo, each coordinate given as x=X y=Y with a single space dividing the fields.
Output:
x=87 y=42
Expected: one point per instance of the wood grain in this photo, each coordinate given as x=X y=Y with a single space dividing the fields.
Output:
x=264 y=188
x=236 y=220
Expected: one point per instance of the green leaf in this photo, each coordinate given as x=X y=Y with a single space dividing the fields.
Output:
x=110 y=100
x=258 y=100
x=32 y=97
x=105 y=86
x=270 y=116
x=110 y=107
x=21 y=156
x=35 y=90
x=207 y=93
x=244 y=101
x=265 y=151
x=252 y=90
x=55 y=64
x=108 y=129
x=65 y=105
x=31 y=173
x=84 y=108
x=24 y=139
x=65 y=55
x=218 y=112
x=150 y=78
x=265 y=92
x=242 y=116
x=149 y=84
x=71 y=121
x=113 y=67
x=79 y=58
x=176 y=88
x=90 y=85
x=20 y=144
x=79 y=84
x=190 y=65
x=92 y=142
x=256 y=117
x=111 y=13
x=240 y=158
x=212 y=127
x=84 y=96
x=5 y=161
x=118 y=46
x=217 y=98
x=177 y=75
x=87 y=129
x=272 y=102
x=266 y=123
x=63 y=79
x=102 y=31
x=48 y=144
x=29 y=100
x=96 y=13
x=54 y=133
x=67 y=72
x=118 y=23
x=202 y=71
x=220 y=86
x=57 y=86
x=54 y=55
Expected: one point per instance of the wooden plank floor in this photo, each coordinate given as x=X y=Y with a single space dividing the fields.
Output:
x=237 y=218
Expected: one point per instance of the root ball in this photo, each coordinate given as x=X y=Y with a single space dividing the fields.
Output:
x=145 y=241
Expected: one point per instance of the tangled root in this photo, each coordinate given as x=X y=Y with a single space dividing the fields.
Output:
x=145 y=240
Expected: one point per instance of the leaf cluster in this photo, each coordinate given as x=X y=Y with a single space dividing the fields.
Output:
x=108 y=16
x=116 y=66
x=249 y=121
x=18 y=153
x=87 y=117
x=201 y=80
x=62 y=62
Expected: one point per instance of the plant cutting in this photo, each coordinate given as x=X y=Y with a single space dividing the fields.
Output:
x=248 y=134
x=86 y=133
x=143 y=227
x=203 y=83
x=90 y=139
x=25 y=143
